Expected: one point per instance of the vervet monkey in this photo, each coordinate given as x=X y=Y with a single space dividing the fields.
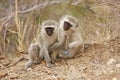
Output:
x=48 y=36
x=68 y=29
x=33 y=52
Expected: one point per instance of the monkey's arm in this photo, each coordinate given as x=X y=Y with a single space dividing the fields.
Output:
x=59 y=43
x=77 y=40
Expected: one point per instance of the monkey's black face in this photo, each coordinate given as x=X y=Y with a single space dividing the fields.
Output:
x=49 y=30
x=67 y=25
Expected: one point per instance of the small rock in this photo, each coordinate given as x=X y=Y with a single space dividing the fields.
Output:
x=114 y=78
x=111 y=61
x=118 y=65
x=28 y=69
x=60 y=79
x=13 y=75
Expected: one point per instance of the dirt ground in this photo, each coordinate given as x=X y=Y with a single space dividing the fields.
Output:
x=97 y=62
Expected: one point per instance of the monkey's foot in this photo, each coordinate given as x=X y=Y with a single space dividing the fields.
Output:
x=52 y=61
x=26 y=67
x=65 y=52
x=49 y=65
x=37 y=61
x=63 y=55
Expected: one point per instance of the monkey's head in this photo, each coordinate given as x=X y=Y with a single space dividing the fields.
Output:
x=49 y=30
x=68 y=22
x=67 y=25
x=49 y=27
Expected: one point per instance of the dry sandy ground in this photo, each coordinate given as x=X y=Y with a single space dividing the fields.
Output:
x=97 y=62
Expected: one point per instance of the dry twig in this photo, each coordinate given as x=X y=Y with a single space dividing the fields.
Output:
x=20 y=59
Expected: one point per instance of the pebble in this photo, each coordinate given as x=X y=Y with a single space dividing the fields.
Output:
x=118 y=65
x=111 y=61
x=114 y=78
x=13 y=75
x=28 y=69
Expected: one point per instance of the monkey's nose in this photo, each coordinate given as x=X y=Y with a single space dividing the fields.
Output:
x=50 y=34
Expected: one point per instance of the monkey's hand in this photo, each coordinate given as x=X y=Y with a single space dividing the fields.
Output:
x=54 y=46
x=71 y=45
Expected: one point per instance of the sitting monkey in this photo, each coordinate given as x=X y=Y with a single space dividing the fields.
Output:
x=48 y=36
x=41 y=48
x=69 y=33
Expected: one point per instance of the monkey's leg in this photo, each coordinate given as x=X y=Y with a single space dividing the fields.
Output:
x=38 y=59
x=47 y=57
x=70 y=53
x=41 y=55
x=74 y=44
x=54 y=55
x=28 y=64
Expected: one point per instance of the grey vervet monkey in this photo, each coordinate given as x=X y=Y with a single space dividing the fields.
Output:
x=48 y=36
x=68 y=29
